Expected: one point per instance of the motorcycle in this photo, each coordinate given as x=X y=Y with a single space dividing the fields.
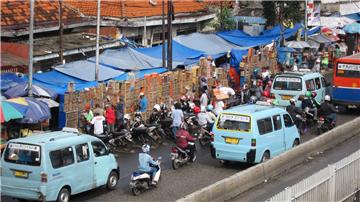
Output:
x=192 y=124
x=141 y=181
x=121 y=140
x=324 y=125
x=205 y=137
x=181 y=157
x=149 y=134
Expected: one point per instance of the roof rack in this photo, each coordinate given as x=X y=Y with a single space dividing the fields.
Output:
x=70 y=130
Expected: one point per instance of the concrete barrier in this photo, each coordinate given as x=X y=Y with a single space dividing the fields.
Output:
x=240 y=182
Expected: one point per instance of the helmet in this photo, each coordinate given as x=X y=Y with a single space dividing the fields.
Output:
x=192 y=105
x=157 y=107
x=266 y=93
x=292 y=101
x=146 y=148
x=327 y=98
x=127 y=116
x=308 y=94
x=210 y=107
x=163 y=106
x=141 y=94
x=275 y=102
x=203 y=109
x=87 y=106
x=137 y=114
x=196 y=110
x=313 y=94
x=183 y=98
x=253 y=99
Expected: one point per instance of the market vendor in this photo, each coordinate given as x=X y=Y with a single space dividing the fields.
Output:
x=143 y=102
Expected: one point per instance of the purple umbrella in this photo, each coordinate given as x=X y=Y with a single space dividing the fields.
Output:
x=22 y=89
x=37 y=112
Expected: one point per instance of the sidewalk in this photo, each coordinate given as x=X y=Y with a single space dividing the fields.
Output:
x=313 y=165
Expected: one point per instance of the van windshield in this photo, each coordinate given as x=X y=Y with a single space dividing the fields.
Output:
x=287 y=83
x=20 y=153
x=234 y=122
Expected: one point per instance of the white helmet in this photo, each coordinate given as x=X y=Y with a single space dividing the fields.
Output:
x=192 y=105
x=292 y=100
x=127 y=116
x=146 y=148
x=203 y=109
x=157 y=107
x=327 y=98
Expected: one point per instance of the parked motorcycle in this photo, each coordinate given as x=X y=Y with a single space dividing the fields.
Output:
x=146 y=134
x=141 y=181
x=121 y=140
x=324 y=125
x=181 y=157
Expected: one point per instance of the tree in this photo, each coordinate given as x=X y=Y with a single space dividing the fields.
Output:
x=224 y=18
x=269 y=12
x=282 y=11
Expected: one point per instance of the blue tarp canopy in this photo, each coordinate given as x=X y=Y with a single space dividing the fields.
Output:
x=354 y=16
x=282 y=52
x=127 y=59
x=242 y=39
x=85 y=70
x=236 y=57
x=211 y=44
x=311 y=31
x=182 y=54
x=140 y=74
x=9 y=80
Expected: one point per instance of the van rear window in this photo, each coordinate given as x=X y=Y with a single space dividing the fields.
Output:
x=20 y=153
x=288 y=83
x=234 y=122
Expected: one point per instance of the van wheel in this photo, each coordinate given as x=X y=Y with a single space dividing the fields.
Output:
x=265 y=157
x=296 y=143
x=112 y=180
x=64 y=195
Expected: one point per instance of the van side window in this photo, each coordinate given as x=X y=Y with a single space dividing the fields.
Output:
x=62 y=157
x=277 y=122
x=98 y=148
x=82 y=152
x=310 y=85
x=317 y=83
x=288 y=122
x=265 y=126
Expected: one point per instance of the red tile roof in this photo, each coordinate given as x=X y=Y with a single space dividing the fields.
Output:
x=134 y=8
x=16 y=14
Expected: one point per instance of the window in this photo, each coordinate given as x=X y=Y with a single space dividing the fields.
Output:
x=288 y=121
x=323 y=82
x=98 y=148
x=277 y=122
x=23 y=154
x=265 y=126
x=62 y=157
x=317 y=83
x=82 y=152
x=287 y=83
x=234 y=122
x=310 y=85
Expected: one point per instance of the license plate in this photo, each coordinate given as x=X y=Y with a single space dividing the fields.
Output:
x=230 y=140
x=286 y=97
x=21 y=174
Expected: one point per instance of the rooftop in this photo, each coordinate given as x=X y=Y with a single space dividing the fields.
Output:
x=250 y=109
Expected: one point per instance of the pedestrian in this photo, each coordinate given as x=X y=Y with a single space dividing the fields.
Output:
x=98 y=110
x=88 y=115
x=98 y=122
x=120 y=113
x=178 y=118
x=143 y=103
x=110 y=117
x=317 y=65
x=204 y=99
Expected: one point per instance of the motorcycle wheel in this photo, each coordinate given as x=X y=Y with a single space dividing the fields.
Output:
x=175 y=164
x=136 y=191
x=203 y=142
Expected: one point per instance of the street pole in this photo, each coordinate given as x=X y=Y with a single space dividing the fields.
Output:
x=169 y=51
x=97 y=41
x=31 y=44
x=306 y=20
x=61 y=27
x=144 y=33
x=163 y=34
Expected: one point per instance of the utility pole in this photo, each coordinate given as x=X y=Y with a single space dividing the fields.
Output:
x=169 y=22
x=163 y=34
x=97 y=41
x=306 y=20
x=31 y=44
x=61 y=27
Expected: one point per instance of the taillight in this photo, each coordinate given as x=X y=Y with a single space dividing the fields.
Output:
x=272 y=95
x=253 y=142
x=211 y=137
x=43 y=177
x=173 y=150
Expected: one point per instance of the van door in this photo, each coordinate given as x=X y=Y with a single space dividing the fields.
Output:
x=320 y=90
x=279 y=132
x=85 y=164
x=101 y=163
x=268 y=139
x=290 y=131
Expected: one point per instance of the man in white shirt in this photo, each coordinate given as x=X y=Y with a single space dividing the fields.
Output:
x=98 y=122
x=204 y=99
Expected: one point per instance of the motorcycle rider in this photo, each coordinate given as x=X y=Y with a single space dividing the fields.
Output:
x=203 y=119
x=310 y=103
x=182 y=141
x=178 y=118
x=294 y=112
x=328 y=110
x=155 y=114
x=145 y=162
x=211 y=115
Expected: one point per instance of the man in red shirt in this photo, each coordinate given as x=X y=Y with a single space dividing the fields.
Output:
x=110 y=118
x=182 y=141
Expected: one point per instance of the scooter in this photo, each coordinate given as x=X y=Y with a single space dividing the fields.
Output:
x=181 y=157
x=141 y=181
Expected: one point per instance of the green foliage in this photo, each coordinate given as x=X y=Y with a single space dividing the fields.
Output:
x=224 y=18
x=269 y=12
x=280 y=11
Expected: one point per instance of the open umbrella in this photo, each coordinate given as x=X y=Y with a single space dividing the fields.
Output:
x=37 y=112
x=297 y=44
x=49 y=102
x=22 y=89
x=352 y=28
x=8 y=112
x=19 y=103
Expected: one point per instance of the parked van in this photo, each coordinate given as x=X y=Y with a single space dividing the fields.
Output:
x=52 y=166
x=253 y=133
x=294 y=84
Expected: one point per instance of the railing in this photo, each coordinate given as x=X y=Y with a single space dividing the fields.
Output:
x=337 y=182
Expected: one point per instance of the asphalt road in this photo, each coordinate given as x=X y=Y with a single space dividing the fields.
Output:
x=175 y=184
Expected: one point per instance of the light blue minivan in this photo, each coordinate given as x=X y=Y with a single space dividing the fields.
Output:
x=52 y=166
x=253 y=134
x=294 y=84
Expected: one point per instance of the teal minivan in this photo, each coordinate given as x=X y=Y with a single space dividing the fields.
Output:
x=294 y=84
x=52 y=166
x=253 y=134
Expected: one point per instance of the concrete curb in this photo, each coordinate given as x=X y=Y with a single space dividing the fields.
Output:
x=240 y=182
